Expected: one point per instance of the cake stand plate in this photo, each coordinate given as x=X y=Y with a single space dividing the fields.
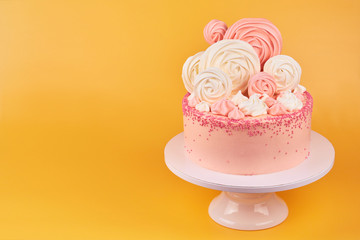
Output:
x=250 y=202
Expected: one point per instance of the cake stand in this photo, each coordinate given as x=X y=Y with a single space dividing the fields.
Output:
x=250 y=202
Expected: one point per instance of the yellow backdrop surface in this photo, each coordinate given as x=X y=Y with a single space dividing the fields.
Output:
x=91 y=92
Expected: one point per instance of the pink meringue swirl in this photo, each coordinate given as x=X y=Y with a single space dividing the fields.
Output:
x=260 y=33
x=269 y=101
x=214 y=31
x=262 y=83
x=236 y=114
x=222 y=107
x=277 y=109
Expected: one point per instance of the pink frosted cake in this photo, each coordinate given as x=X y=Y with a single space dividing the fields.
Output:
x=245 y=112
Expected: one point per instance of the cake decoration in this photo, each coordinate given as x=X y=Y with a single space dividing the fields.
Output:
x=277 y=109
x=269 y=101
x=254 y=106
x=260 y=33
x=236 y=114
x=190 y=70
x=236 y=58
x=222 y=107
x=285 y=70
x=245 y=111
x=214 y=31
x=212 y=84
x=262 y=83
x=203 y=107
x=238 y=98
x=290 y=101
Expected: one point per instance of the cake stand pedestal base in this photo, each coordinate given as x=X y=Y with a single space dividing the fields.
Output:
x=249 y=202
x=248 y=211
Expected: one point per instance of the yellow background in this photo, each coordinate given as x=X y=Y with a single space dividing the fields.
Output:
x=91 y=92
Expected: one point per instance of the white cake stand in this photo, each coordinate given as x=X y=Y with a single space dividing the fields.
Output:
x=250 y=202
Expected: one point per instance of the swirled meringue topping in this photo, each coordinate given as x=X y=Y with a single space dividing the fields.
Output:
x=236 y=114
x=203 y=107
x=214 y=31
x=236 y=58
x=277 y=109
x=211 y=85
x=260 y=33
x=238 y=98
x=262 y=83
x=269 y=101
x=222 y=107
x=290 y=101
x=254 y=106
x=190 y=70
x=285 y=70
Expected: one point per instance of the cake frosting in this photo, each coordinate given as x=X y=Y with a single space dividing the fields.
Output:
x=245 y=111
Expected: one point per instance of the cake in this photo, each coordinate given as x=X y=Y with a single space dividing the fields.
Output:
x=245 y=111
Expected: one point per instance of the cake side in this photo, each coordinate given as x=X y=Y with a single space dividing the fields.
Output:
x=249 y=145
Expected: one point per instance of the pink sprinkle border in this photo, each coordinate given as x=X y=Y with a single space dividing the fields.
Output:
x=253 y=125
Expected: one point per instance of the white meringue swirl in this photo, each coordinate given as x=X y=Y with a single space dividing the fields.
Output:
x=236 y=58
x=290 y=101
x=285 y=70
x=254 y=106
x=212 y=85
x=190 y=70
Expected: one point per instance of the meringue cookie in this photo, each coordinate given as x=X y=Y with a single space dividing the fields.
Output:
x=222 y=107
x=236 y=114
x=277 y=109
x=269 y=101
x=190 y=70
x=211 y=85
x=238 y=98
x=290 y=101
x=285 y=70
x=214 y=31
x=254 y=106
x=203 y=107
x=260 y=33
x=236 y=58
x=262 y=83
